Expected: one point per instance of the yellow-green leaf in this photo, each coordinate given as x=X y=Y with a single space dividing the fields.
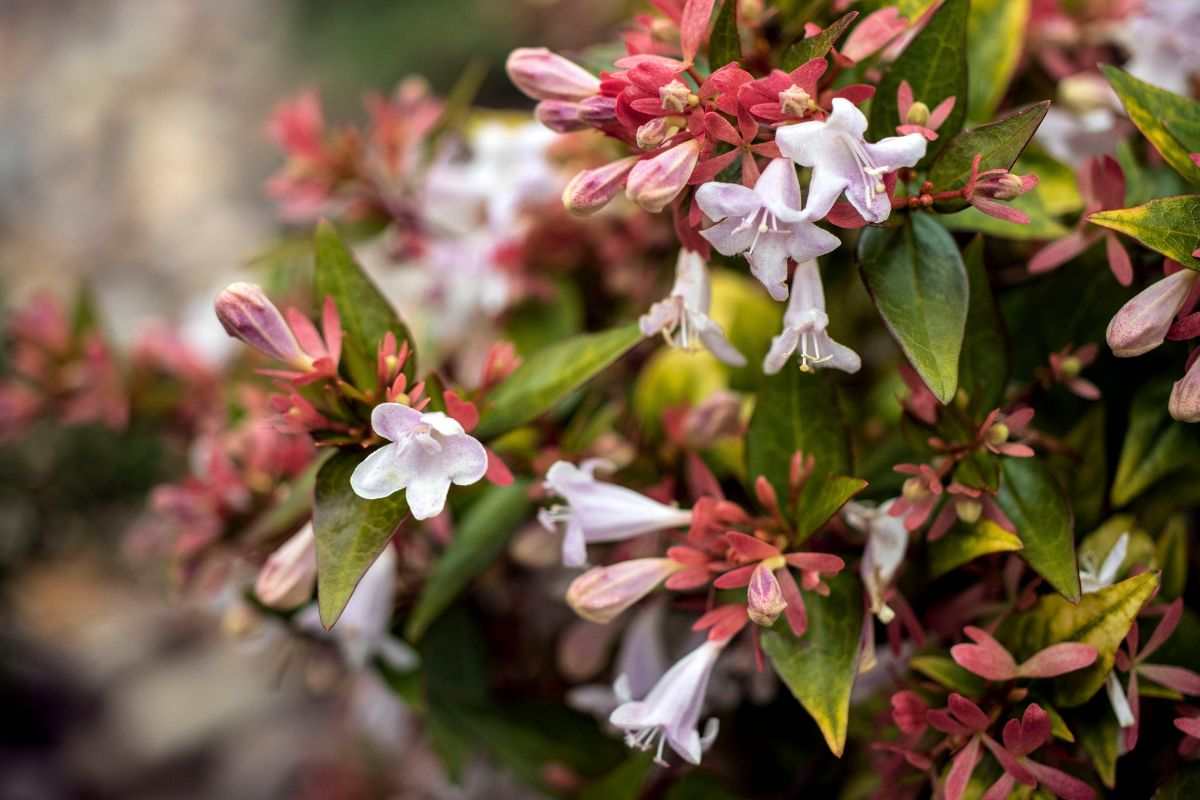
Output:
x=1168 y=225
x=1152 y=110
x=819 y=668
x=1172 y=552
x=1100 y=619
x=965 y=543
x=995 y=35
x=805 y=50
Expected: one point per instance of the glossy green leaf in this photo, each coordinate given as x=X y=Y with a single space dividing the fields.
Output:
x=351 y=532
x=820 y=499
x=549 y=375
x=1084 y=468
x=366 y=314
x=1172 y=552
x=935 y=65
x=966 y=543
x=805 y=50
x=1168 y=225
x=725 y=45
x=1155 y=445
x=478 y=538
x=1036 y=505
x=979 y=470
x=1100 y=619
x=919 y=283
x=819 y=668
x=794 y=412
x=983 y=367
x=1152 y=109
x=995 y=34
x=999 y=143
x=944 y=671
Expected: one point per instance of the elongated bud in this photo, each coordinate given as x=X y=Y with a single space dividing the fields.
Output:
x=590 y=190
x=601 y=593
x=655 y=182
x=544 y=75
x=1143 y=322
x=247 y=313
x=598 y=110
x=561 y=116
x=764 y=596
x=288 y=577
x=1184 y=404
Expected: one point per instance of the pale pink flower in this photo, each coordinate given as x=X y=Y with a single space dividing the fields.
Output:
x=1143 y=322
x=288 y=577
x=682 y=317
x=601 y=593
x=804 y=329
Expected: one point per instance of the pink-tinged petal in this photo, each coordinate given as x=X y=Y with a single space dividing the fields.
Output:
x=750 y=548
x=941 y=720
x=1130 y=734
x=1018 y=419
x=1184 y=402
x=1185 y=327
x=967 y=712
x=693 y=27
x=497 y=471
x=875 y=31
x=1084 y=388
x=1015 y=450
x=1189 y=725
x=1062 y=785
x=393 y=421
x=994 y=208
x=904 y=99
x=1035 y=729
x=795 y=613
x=735 y=578
x=1058 y=659
x=1118 y=259
x=942 y=522
x=306 y=333
x=331 y=325
x=723 y=622
x=940 y=112
x=908 y=711
x=1182 y=680
x=987 y=658
x=961 y=768
x=657 y=65
x=1011 y=764
x=1001 y=789
x=844 y=215
x=689 y=578
x=1195 y=157
x=1107 y=182
x=464 y=411
x=856 y=93
x=712 y=167
x=1166 y=627
x=816 y=562
x=1059 y=252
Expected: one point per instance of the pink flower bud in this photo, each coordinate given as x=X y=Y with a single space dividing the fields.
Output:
x=1184 y=404
x=590 y=190
x=1142 y=323
x=288 y=577
x=655 y=182
x=598 y=110
x=601 y=593
x=657 y=131
x=764 y=597
x=247 y=314
x=560 y=116
x=544 y=75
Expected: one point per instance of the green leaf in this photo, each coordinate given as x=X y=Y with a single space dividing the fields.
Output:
x=478 y=538
x=944 y=671
x=983 y=367
x=1100 y=619
x=1168 y=225
x=549 y=375
x=795 y=411
x=1035 y=503
x=821 y=499
x=805 y=50
x=935 y=65
x=966 y=543
x=624 y=782
x=1084 y=468
x=1155 y=444
x=1099 y=735
x=995 y=33
x=917 y=278
x=1153 y=109
x=999 y=143
x=820 y=667
x=351 y=532
x=365 y=313
x=979 y=470
x=725 y=44
x=1183 y=785
x=1172 y=552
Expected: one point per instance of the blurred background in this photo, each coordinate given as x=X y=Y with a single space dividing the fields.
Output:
x=132 y=157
